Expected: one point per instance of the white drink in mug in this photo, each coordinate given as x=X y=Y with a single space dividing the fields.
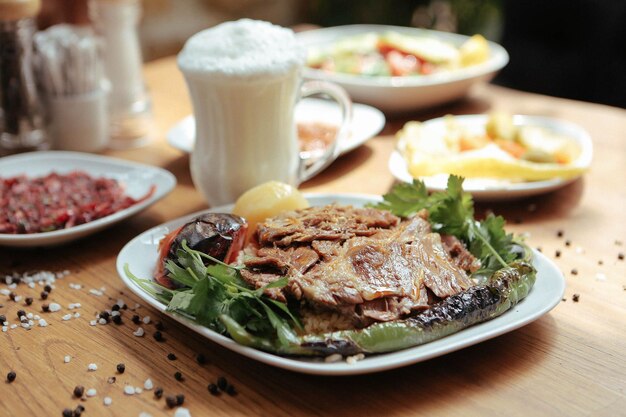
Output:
x=244 y=79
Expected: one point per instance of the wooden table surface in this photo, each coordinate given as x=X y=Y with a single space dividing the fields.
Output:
x=568 y=362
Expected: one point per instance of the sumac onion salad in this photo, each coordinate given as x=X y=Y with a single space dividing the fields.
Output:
x=59 y=201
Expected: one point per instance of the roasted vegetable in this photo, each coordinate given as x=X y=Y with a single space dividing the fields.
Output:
x=218 y=235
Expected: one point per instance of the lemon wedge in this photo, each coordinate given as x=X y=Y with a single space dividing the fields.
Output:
x=474 y=51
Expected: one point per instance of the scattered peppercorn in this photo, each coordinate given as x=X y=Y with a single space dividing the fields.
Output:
x=158 y=392
x=600 y=262
x=180 y=399
x=159 y=326
x=620 y=256
x=539 y=249
x=12 y=296
x=3 y=318
x=44 y=295
x=559 y=233
x=79 y=390
x=201 y=359
x=121 y=368
x=568 y=242
x=575 y=298
x=178 y=375
x=171 y=356
x=213 y=389
x=28 y=300
x=47 y=288
x=574 y=271
x=136 y=319
x=111 y=380
x=230 y=390
x=222 y=383
x=171 y=401
x=11 y=376
x=158 y=336
x=68 y=413
x=117 y=319
x=45 y=308
x=557 y=254
x=20 y=313
x=78 y=410
x=115 y=307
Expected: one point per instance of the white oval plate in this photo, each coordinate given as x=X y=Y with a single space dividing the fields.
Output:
x=401 y=94
x=366 y=123
x=136 y=179
x=141 y=256
x=484 y=189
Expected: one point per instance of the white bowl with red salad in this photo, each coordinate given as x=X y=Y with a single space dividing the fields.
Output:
x=50 y=198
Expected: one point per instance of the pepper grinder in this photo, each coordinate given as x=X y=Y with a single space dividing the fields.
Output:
x=130 y=110
x=22 y=123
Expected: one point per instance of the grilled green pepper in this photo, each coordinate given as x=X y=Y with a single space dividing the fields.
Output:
x=477 y=304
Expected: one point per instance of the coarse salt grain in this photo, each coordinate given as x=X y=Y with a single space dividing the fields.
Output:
x=67 y=358
x=76 y=315
x=13 y=326
x=102 y=321
x=29 y=316
x=182 y=412
x=129 y=390
x=26 y=326
x=91 y=392
x=148 y=384
x=43 y=323
x=333 y=358
x=146 y=320
x=93 y=323
x=138 y=390
x=95 y=292
x=4 y=291
x=5 y=328
x=600 y=276
x=107 y=401
x=139 y=332
x=66 y=317
x=354 y=359
x=115 y=313
x=31 y=285
x=54 y=307
x=36 y=317
x=18 y=298
x=92 y=367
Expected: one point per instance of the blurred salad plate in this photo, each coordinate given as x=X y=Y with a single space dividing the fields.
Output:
x=501 y=156
x=400 y=69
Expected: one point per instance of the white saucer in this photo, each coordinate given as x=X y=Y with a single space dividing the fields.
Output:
x=367 y=121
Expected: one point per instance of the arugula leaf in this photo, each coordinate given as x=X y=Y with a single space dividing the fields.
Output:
x=452 y=212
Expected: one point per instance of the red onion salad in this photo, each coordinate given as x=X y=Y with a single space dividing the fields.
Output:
x=59 y=201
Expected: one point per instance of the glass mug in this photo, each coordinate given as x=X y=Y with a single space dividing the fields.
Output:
x=244 y=79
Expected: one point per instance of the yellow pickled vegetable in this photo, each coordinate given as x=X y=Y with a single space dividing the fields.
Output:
x=474 y=51
x=268 y=200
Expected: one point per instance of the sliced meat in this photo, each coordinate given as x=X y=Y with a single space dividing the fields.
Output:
x=361 y=263
x=323 y=223
x=459 y=253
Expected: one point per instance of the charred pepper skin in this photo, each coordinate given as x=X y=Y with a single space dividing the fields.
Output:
x=477 y=304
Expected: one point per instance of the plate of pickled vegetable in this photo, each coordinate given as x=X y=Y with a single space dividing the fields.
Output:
x=400 y=69
x=502 y=156
x=522 y=286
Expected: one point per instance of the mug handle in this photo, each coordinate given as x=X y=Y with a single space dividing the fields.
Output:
x=338 y=94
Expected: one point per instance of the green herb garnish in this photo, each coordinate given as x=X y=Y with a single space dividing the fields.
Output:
x=211 y=293
x=452 y=212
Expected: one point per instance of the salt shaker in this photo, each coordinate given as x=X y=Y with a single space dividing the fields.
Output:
x=22 y=124
x=116 y=22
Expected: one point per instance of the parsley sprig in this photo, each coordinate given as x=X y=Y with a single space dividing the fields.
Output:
x=210 y=294
x=452 y=212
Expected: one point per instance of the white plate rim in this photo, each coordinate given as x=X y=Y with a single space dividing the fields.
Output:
x=375 y=121
x=167 y=182
x=398 y=167
x=547 y=292
x=497 y=60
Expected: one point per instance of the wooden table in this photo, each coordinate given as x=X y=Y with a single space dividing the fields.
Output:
x=569 y=362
